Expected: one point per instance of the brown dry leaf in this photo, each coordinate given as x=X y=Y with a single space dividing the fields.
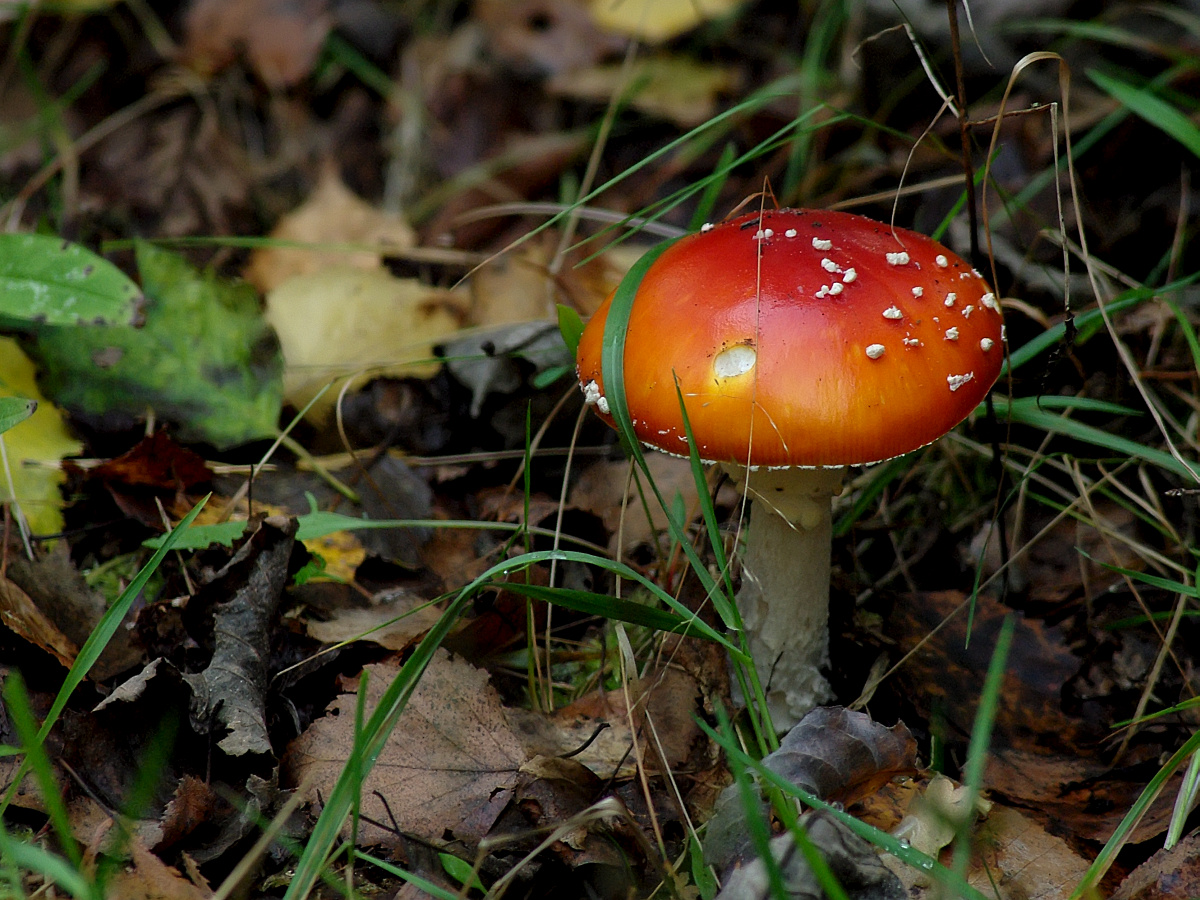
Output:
x=155 y=461
x=842 y=756
x=447 y=773
x=1166 y=875
x=600 y=720
x=191 y=805
x=1017 y=860
x=332 y=214
x=949 y=671
x=148 y=878
x=177 y=171
x=24 y=619
x=656 y=21
x=546 y=36
x=833 y=753
x=280 y=38
x=675 y=88
x=1082 y=795
x=60 y=593
x=602 y=486
x=1053 y=570
x=351 y=323
x=392 y=625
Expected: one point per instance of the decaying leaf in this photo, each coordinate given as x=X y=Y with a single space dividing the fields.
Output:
x=33 y=447
x=448 y=771
x=19 y=614
x=1017 y=857
x=852 y=860
x=332 y=214
x=1166 y=875
x=146 y=877
x=549 y=36
x=933 y=816
x=231 y=691
x=351 y=323
x=204 y=359
x=606 y=489
x=395 y=625
x=832 y=753
x=64 y=598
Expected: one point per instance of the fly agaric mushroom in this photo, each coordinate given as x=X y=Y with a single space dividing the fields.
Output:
x=803 y=341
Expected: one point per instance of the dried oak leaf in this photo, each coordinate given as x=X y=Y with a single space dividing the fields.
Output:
x=446 y=775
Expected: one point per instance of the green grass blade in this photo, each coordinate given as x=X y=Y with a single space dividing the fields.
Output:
x=16 y=702
x=1150 y=107
x=1108 y=853
x=981 y=738
x=1025 y=411
x=900 y=849
x=56 y=870
x=607 y=607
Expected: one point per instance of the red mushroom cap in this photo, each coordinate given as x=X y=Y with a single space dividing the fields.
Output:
x=803 y=338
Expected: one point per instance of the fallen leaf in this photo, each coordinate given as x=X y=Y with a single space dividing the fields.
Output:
x=146 y=877
x=833 y=753
x=447 y=773
x=1018 y=859
x=1087 y=797
x=156 y=461
x=332 y=214
x=231 y=690
x=31 y=477
x=657 y=21
x=281 y=39
x=24 y=619
x=63 y=596
x=675 y=88
x=855 y=863
x=1166 y=875
x=395 y=625
x=204 y=359
x=605 y=488
x=544 y=36
x=354 y=324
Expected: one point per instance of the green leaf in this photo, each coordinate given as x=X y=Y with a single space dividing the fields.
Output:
x=204 y=359
x=14 y=411
x=45 y=280
x=461 y=871
x=571 y=327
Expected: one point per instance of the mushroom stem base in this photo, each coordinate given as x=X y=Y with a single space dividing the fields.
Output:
x=784 y=597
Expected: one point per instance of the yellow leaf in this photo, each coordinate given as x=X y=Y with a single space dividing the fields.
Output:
x=34 y=447
x=358 y=324
x=332 y=215
x=655 y=21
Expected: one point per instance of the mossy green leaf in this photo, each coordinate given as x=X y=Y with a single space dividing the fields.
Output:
x=45 y=280
x=204 y=359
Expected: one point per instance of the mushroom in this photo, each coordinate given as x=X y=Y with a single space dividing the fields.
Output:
x=802 y=341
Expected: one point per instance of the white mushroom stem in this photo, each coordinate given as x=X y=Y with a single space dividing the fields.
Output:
x=784 y=597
